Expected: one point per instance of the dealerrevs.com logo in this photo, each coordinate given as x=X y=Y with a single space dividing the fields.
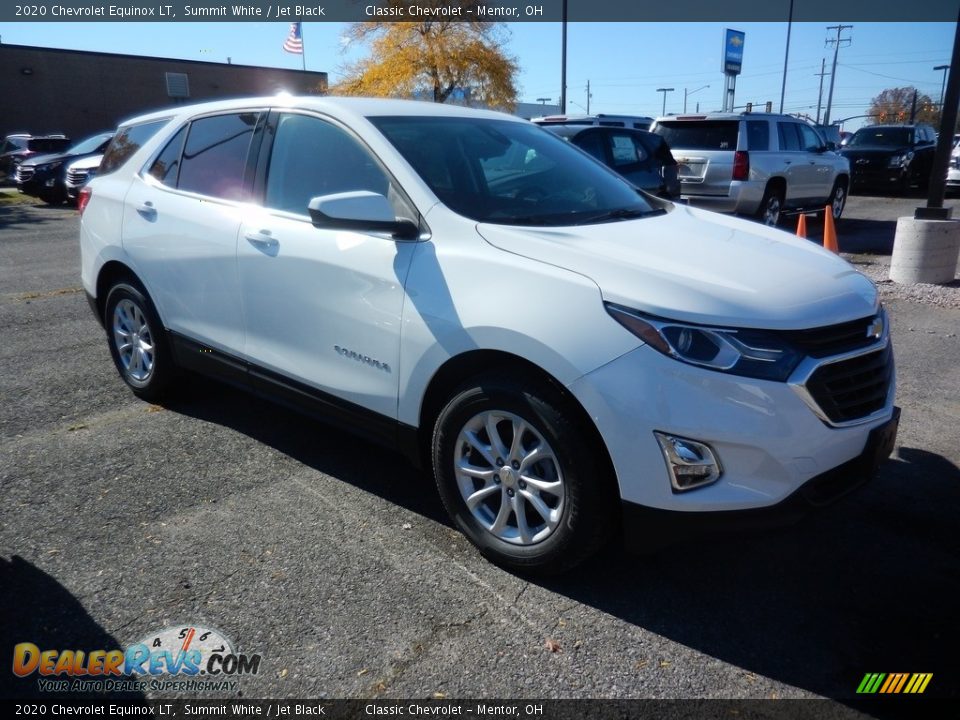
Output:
x=183 y=658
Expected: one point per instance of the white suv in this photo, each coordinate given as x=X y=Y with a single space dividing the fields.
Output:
x=567 y=354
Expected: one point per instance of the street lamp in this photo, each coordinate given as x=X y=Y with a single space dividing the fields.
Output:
x=944 y=83
x=544 y=101
x=664 y=91
x=686 y=94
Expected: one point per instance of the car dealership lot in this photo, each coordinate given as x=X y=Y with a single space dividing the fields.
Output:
x=334 y=561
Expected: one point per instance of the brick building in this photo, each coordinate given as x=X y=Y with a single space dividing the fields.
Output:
x=78 y=93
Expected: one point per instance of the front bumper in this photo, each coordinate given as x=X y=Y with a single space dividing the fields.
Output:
x=767 y=438
x=647 y=528
x=879 y=178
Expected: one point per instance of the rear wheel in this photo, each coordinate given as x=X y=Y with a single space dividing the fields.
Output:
x=518 y=478
x=138 y=343
x=771 y=206
x=838 y=199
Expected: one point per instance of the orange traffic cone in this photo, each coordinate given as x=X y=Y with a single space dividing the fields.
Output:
x=829 y=231
x=802 y=226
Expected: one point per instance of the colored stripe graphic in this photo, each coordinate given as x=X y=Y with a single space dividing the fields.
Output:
x=894 y=683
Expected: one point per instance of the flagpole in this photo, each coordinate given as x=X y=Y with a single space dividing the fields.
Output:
x=303 y=47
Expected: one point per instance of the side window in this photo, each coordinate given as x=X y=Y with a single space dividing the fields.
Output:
x=126 y=142
x=166 y=167
x=811 y=142
x=625 y=151
x=758 y=135
x=215 y=155
x=592 y=143
x=312 y=157
x=789 y=140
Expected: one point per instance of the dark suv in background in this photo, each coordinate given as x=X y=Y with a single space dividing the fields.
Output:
x=17 y=148
x=43 y=176
x=891 y=156
x=641 y=157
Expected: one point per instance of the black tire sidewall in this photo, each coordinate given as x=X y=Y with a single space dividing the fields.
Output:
x=768 y=195
x=155 y=385
x=579 y=532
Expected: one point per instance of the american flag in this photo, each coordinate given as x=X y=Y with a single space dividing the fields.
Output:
x=294 y=42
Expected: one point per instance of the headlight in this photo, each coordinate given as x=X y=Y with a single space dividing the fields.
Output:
x=900 y=160
x=47 y=167
x=751 y=353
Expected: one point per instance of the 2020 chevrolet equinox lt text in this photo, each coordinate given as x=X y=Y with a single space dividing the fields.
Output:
x=567 y=353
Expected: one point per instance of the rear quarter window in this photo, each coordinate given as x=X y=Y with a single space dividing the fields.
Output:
x=126 y=142
x=758 y=135
x=706 y=135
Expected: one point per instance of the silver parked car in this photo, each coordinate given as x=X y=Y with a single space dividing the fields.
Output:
x=759 y=164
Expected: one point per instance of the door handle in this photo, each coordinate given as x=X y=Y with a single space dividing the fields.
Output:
x=147 y=210
x=263 y=240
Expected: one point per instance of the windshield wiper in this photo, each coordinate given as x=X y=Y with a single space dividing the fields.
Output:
x=620 y=214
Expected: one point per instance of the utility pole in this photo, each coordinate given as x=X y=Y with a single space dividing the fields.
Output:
x=589 y=95
x=823 y=65
x=563 y=64
x=663 y=111
x=943 y=84
x=913 y=107
x=786 y=55
x=833 y=72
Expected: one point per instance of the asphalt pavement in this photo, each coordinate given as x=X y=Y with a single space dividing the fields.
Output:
x=333 y=560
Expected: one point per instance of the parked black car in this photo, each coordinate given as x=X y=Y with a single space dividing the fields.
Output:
x=641 y=157
x=43 y=176
x=891 y=156
x=17 y=148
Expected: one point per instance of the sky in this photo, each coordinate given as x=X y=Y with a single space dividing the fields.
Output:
x=624 y=63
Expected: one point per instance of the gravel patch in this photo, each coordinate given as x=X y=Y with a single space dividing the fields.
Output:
x=877 y=268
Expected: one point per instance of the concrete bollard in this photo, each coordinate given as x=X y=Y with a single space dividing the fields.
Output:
x=925 y=251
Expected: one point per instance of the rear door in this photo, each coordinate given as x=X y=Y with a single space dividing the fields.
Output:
x=181 y=221
x=797 y=166
x=704 y=151
x=822 y=163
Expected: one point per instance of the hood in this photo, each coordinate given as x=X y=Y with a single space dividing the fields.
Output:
x=702 y=267
x=873 y=151
x=87 y=163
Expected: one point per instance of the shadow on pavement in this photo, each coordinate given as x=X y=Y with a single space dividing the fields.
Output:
x=870 y=584
x=35 y=608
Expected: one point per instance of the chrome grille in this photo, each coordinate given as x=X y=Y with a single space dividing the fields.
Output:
x=77 y=177
x=24 y=173
x=851 y=389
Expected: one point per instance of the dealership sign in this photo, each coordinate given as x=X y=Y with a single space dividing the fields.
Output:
x=732 y=51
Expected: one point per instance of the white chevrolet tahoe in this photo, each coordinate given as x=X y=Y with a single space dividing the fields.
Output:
x=569 y=355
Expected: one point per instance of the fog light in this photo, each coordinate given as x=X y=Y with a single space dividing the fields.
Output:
x=691 y=464
x=50 y=183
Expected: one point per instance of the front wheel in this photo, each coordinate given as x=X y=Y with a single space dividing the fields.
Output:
x=138 y=343
x=518 y=477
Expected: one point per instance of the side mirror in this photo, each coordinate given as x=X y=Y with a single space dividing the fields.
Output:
x=831 y=146
x=360 y=210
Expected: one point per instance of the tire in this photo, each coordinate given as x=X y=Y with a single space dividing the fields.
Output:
x=837 y=200
x=771 y=206
x=138 y=342
x=568 y=508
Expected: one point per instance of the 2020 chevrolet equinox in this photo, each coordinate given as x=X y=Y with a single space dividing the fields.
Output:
x=570 y=355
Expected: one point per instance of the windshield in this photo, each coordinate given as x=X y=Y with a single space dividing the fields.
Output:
x=511 y=173
x=882 y=137
x=91 y=144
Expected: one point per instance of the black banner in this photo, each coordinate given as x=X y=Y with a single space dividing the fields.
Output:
x=469 y=10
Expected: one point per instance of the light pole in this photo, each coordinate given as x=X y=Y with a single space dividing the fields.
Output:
x=544 y=101
x=664 y=91
x=691 y=92
x=942 y=84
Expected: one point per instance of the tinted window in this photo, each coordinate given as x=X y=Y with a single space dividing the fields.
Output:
x=883 y=137
x=706 y=135
x=592 y=143
x=215 y=155
x=166 y=167
x=811 y=142
x=91 y=144
x=126 y=142
x=312 y=157
x=625 y=151
x=789 y=139
x=509 y=172
x=758 y=135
